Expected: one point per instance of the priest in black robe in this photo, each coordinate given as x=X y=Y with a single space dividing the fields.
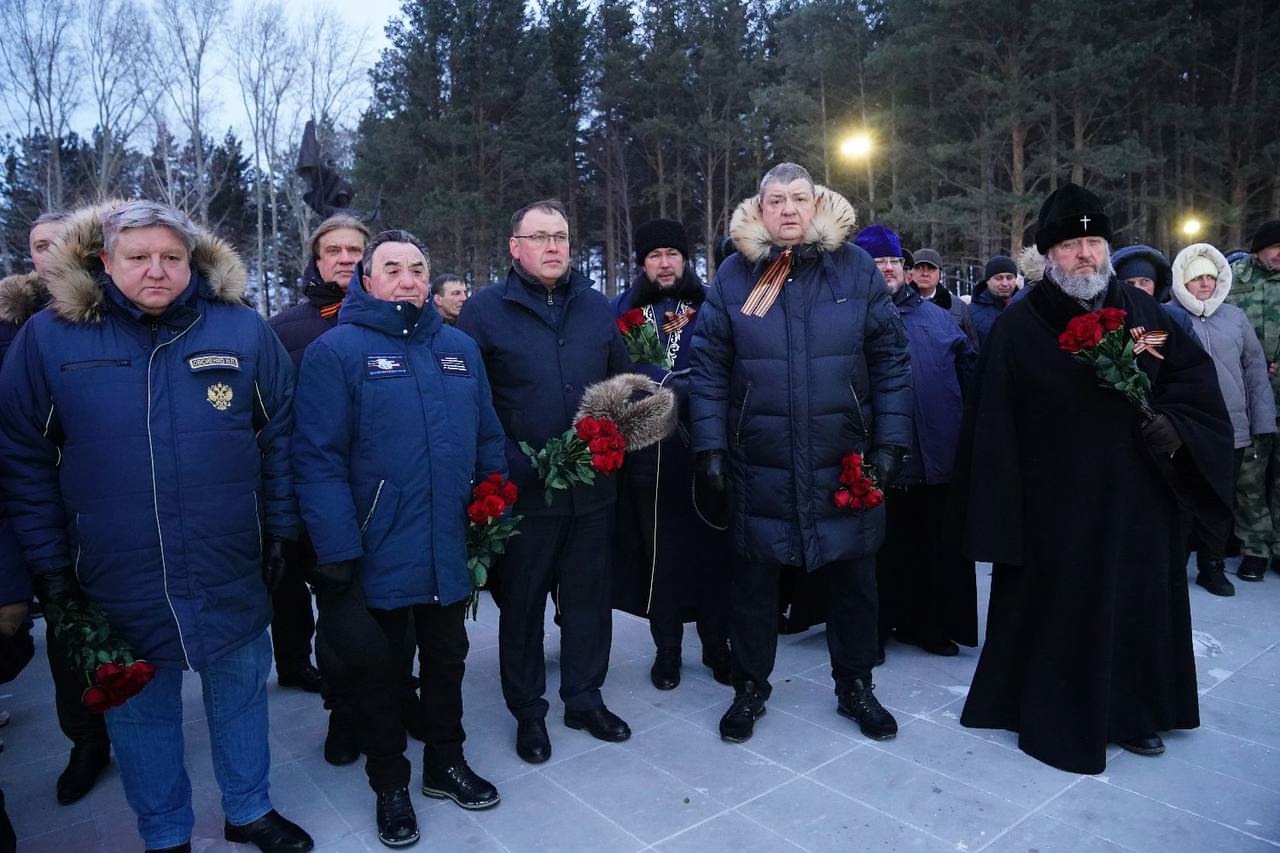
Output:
x=1074 y=496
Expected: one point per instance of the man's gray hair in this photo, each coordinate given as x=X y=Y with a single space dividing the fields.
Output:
x=395 y=235
x=51 y=216
x=785 y=173
x=148 y=214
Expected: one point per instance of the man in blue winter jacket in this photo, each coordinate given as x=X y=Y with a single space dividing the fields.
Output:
x=546 y=334
x=144 y=452
x=395 y=422
x=798 y=360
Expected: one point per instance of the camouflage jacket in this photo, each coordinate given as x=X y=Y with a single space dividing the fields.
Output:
x=1256 y=290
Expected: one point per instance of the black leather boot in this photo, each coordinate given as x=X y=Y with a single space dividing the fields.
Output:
x=861 y=705
x=397 y=821
x=1212 y=575
x=458 y=782
x=739 y=722
x=271 y=833
x=86 y=764
x=665 y=673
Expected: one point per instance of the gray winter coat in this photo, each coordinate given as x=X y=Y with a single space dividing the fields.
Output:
x=1228 y=336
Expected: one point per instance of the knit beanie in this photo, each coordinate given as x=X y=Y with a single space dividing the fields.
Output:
x=660 y=234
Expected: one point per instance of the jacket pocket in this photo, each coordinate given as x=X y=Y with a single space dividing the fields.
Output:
x=742 y=416
x=95 y=362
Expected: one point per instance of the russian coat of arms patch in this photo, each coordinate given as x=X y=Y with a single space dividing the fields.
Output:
x=220 y=396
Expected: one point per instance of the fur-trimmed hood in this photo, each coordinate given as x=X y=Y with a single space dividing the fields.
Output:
x=833 y=222
x=1196 y=307
x=21 y=296
x=75 y=280
x=644 y=412
x=1031 y=264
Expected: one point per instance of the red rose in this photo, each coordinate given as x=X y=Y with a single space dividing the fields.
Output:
x=875 y=499
x=96 y=700
x=848 y=476
x=856 y=503
x=476 y=513
x=484 y=490
x=841 y=498
x=852 y=461
x=495 y=478
x=623 y=328
x=509 y=492
x=1111 y=319
x=586 y=428
x=1082 y=333
x=632 y=318
x=136 y=676
x=108 y=675
x=599 y=461
x=600 y=445
x=494 y=506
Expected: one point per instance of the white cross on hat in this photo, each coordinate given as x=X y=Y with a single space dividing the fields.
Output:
x=1084 y=220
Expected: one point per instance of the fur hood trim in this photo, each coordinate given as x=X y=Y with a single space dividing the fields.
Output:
x=833 y=222
x=1196 y=307
x=644 y=411
x=75 y=266
x=1031 y=264
x=21 y=296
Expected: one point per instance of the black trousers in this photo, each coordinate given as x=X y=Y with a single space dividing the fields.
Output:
x=367 y=644
x=1209 y=538
x=79 y=726
x=712 y=624
x=292 y=622
x=911 y=566
x=851 y=623
x=570 y=555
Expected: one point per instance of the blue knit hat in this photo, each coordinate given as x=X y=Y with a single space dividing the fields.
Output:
x=879 y=242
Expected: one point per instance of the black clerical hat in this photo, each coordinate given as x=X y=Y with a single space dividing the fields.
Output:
x=1070 y=211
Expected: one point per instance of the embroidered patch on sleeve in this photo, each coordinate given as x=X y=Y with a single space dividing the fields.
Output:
x=453 y=364
x=213 y=361
x=385 y=366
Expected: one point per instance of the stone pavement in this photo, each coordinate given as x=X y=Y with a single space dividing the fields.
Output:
x=806 y=781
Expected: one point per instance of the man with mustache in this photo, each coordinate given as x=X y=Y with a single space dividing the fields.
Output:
x=1089 y=629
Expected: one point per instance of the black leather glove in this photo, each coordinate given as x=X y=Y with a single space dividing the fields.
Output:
x=57 y=588
x=276 y=562
x=888 y=461
x=333 y=578
x=1161 y=435
x=710 y=467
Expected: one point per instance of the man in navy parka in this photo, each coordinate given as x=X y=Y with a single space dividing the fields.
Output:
x=145 y=418
x=395 y=422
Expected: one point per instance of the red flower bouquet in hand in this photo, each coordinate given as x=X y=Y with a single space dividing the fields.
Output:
x=112 y=675
x=859 y=487
x=626 y=412
x=641 y=337
x=1099 y=340
x=487 y=530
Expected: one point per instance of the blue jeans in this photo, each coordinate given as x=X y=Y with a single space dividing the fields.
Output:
x=146 y=733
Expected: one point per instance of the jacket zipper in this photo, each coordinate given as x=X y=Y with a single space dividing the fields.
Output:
x=376 y=496
x=258 y=518
x=97 y=362
x=742 y=416
x=155 y=493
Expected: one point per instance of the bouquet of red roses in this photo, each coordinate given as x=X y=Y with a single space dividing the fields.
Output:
x=487 y=530
x=1099 y=339
x=641 y=338
x=859 y=486
x=625 y=412
x=590 y=446
x=112 y=675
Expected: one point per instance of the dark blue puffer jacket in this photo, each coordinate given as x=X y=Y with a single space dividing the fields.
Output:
x=942 y=362
x=394 y=423
x=824 y=372
x=301 y=324
x=985 y=309
x=151 y=453
x=542 y=349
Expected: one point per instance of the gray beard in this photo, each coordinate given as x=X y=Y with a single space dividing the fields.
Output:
x=1084 y=287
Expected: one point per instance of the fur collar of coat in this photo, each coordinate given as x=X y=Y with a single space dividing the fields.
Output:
x=832 y=224
x=76 y=281
x=1196 y=307
x=21 y=296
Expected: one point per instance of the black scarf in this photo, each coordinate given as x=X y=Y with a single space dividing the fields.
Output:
x=689 y=289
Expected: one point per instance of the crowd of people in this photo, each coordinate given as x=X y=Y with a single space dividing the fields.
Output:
x=853 y=436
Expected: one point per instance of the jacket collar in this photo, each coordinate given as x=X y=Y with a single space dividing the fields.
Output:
x=21 y=296
x=1057 y=308
x=1196 y=307
x=517 y=289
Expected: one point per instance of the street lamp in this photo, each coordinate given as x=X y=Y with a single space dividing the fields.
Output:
x=856 y=147
x=1191 y=226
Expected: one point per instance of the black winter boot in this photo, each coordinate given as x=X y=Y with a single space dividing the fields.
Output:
x=1213 y=577
x=1252 y=568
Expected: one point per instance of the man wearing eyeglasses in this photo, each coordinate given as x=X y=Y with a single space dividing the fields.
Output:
x=545 y=334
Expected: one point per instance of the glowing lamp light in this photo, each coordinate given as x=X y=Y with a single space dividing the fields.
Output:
x=1191 y=226
x=856 y=147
